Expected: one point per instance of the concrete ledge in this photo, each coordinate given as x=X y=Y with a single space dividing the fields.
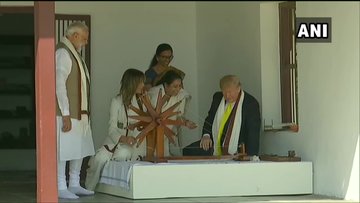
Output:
x=206 y=179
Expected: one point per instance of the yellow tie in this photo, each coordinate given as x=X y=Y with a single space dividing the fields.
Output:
x=222 y=124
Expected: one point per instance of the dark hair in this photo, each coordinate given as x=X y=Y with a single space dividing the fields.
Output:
x=129 y=83
x=162 y=47
x=169 y=78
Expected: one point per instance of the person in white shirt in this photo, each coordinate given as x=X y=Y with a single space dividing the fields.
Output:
x=74 y=136
x=171 y=86
x=120 y=144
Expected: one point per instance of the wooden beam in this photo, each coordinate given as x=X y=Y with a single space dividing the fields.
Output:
x=44 y=19
x=16 y=9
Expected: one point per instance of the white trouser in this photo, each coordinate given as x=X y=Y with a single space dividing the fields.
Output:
x=175 y=150
x=74 y=174
x=96 y=163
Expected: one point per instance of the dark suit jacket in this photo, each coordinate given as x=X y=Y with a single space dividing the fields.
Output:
x=250 y=122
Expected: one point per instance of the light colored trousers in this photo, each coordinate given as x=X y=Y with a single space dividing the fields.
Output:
x=74 y=174
x=123 y=152
x=96 y=163
x=174 y=150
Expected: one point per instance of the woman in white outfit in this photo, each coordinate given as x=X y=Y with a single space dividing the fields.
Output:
x=120 y=144
x=171 y=86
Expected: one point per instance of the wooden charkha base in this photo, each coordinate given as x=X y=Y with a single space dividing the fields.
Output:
x=277 y=158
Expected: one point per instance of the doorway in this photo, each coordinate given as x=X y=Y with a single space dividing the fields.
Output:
x=17 y=101
x=17 y=91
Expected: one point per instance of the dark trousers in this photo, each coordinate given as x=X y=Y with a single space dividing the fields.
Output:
x=195 y=150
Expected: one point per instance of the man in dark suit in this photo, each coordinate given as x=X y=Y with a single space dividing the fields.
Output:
x=233 y=119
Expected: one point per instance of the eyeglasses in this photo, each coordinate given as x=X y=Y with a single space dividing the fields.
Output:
x=167 y=57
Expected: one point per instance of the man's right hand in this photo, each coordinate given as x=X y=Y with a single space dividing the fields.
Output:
x=206 y=143
x=66 y=123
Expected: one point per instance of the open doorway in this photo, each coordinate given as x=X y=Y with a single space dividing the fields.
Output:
x=17 y=99
x=17 y=103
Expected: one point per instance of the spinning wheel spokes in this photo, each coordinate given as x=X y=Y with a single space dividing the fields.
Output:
x=159 y=102
x=169 y=134
x=146 y=119
x=147 y=104
x=136 y=110
x=145 y=131
x=136 y=125
x=170 y=110
x=172 y=122
x=154 y=121
x=170 y=114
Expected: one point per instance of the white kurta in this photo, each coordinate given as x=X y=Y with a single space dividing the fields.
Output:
x=78 y=142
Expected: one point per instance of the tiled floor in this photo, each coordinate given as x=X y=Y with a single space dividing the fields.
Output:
x=20 y=186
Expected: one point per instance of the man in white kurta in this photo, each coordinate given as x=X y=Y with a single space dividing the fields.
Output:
x=74 y=137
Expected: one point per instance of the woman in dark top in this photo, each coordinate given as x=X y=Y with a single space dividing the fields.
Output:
x=160 y=64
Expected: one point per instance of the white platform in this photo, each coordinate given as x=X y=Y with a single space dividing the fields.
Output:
x=206 y=179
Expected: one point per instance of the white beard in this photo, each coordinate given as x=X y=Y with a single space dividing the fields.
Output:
x=80 y=48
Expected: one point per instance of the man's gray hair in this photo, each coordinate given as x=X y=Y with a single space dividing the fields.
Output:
x=76 y=27
x=228 y=80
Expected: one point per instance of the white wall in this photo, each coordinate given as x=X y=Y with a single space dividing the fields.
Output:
x=125 y=35
x=328 y=102
x=228 y=42
x=270 y=63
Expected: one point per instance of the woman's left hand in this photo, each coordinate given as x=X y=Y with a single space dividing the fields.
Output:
x=130 y=140
x=189 y=124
